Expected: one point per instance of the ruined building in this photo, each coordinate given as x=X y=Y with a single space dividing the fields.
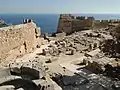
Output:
x=16 y=40
x=27 y=73
x=68 y=23
x=25 y=76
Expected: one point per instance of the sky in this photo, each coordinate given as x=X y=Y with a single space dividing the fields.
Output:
x=59 y=6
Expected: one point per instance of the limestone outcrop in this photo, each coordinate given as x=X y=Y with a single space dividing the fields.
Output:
x=16 y=40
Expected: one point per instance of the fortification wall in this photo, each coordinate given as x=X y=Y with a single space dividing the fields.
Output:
x=18 y=40
x=64 y=25
x=101 y=24
x=68 y=23
x=78 y=25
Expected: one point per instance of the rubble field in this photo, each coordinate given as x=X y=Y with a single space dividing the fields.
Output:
x=84 y=60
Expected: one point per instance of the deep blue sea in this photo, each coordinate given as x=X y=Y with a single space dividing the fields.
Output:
x=48 y=22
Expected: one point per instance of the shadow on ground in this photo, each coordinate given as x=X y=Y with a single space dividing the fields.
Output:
x=76 y=82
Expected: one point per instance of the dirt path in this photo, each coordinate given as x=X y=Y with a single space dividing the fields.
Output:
x=55 y=67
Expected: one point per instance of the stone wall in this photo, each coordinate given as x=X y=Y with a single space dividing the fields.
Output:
x=18 y=40
x=65 y=24
x=98 y=24
x=68 y=23
x=78 y=25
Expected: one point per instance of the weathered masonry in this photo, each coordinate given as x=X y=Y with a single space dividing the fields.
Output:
x=68 y=23
x=16 y=40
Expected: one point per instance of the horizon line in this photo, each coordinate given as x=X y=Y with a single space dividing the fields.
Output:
x=62 y=13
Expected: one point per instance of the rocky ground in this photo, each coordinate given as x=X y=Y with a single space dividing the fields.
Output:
x=74 y=62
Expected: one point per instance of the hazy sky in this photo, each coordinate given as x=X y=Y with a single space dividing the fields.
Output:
x=59 y=6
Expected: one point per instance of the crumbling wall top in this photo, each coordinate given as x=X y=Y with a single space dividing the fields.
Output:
x=14 y=27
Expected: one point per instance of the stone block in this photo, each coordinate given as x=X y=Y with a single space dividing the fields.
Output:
x=7 y=87
x=38 y=67
x=92 y=53
x=20 y=89
x=9 y=78
x=15 y=67
x=44 y=85
x=4 y=72
x=35 y=69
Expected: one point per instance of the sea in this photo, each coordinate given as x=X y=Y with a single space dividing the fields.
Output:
x=49 y=22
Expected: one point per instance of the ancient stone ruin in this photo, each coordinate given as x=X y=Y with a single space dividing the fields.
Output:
x=25 y=76
x=68 y=23
x=16 y=40
x=83 y=55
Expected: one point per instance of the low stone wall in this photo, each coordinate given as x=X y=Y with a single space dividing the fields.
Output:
x=18 y=40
